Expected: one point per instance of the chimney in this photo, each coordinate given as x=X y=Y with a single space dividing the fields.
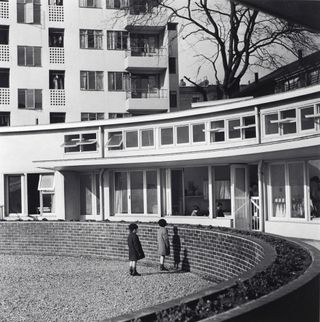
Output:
x=256 y=77
x=300 y=55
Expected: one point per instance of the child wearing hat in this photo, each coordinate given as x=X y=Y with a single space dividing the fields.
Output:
x=135 y=249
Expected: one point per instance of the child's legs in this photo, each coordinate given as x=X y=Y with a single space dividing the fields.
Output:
x=162 y=260
x=133 y=264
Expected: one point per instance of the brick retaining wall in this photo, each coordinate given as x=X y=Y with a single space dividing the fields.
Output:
x=218 y=255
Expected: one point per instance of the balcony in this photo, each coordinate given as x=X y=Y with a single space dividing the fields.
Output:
x=57 y=97
x=56 y=13
x=56 y=55
x=142 y=101
x=141 y=59
x=4 y=53
x=4 y=10
x=4 y=96
x=140 y=17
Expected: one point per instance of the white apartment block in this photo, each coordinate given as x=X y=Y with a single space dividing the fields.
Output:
x=78 y=60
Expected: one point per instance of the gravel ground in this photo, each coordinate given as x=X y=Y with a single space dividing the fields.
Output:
x=50 y=288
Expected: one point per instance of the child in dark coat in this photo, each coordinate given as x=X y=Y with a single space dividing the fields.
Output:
x=135 y=249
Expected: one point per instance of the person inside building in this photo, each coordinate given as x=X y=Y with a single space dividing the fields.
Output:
x=315 y=196
x=195 y=211
x=219 y=212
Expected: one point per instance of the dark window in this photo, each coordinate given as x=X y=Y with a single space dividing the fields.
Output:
x=4 y=77
x=55 y=2
x=90 y=3
x=91 y=81
x=56 y=79
x=4 y=35
x=117 y=40
x=29 y=11
x=92 y=116
x=57 y=118
x=172 y=65
x=117 y=81
x=91 y=39
x=4 y=118
x=173 y=99
x=30 y=98
x=29 y=56
x=56 y=37
x=172 y=26
x=117 y=4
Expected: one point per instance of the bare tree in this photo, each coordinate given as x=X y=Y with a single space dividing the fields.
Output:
x=241 y=37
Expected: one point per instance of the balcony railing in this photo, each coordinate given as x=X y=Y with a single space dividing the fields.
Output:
x=4 y=96
x=4 y=53
x=146 y=51
x=56 y=13
x=57 y=97
x=56 y=55
x=147 y=93
x=4 y=10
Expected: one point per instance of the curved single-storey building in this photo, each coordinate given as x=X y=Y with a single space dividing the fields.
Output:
x=249 y=163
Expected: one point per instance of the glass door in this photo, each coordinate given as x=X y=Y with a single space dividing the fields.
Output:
x=240 y=196
x=177 y=192
x=14 y=186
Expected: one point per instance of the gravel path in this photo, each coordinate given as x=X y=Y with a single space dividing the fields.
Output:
x=50 y=288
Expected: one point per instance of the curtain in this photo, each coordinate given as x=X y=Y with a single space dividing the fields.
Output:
x=222 y=189
x=99 y=81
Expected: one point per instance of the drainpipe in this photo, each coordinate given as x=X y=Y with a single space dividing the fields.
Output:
x=261 y=195
x=101 y=187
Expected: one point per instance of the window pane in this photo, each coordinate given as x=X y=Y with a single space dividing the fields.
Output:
x=218 y=134
x=38 y=98
x=21 y=56
x=86 y=195
x=71 y=143
x=198 y=134
x=119 y=85
x=136 y=180
x=251 y=131
x=183 y=134
x=21 y=98
x=37 y=56
x=121 y=193
x=46 y=182
x=132 y=139
x=167 y=136
x=99 y=80
x=271 y=128
x=314 y=182
x=89 y=142
x=291 y=126
x=307 y=123
x=48 y=202
x=92 y=80
x=20 y=12
x=234 y=133
x=30 y=98
x=296 y=184
x=278 y=191
x=29 y=56
x=14 y=193
x=147 y=138
x=152 y=199
x=115 y=141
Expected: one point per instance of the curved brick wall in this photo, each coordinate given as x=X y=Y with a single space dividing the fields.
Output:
x=218 y=255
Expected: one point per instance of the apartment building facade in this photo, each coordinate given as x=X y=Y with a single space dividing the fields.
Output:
x=67 y=61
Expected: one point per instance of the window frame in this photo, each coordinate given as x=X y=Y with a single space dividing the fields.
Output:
x=153 y=135
x=175 y=139
x=124 y=39
x=33 y=56
x=124 y=79
x=125 y=139
x=84 y=4
x=218 y=130
x=27 y=92
x=315 y=116
x=204 y=131
x=87 y=75
x=97 y=33
x=160 y=136
x=81 y=143
x=25 y=4
x=116 y=147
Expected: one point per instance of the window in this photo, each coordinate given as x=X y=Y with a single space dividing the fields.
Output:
x=90 y=3
x=56 y=37
x=92 y=116
x=30 y=98
x=29 y=11
x=115 y=141
x=314 y=191
x=283 y=122
x=172 y=26
x=234 y=131
x=296 y=185
x=91 y=39
x=57 y=118
x=56 y=2
x=56 y=79
x=117 y=4
x=167 y=136
x=147 y=138
x=278 y=190
x=91 y=81
x=29 y=56
x=217 y=131
x=46 y=189
x=131 y=139
x=14 y=189
x=173 y=99
x=198 y=133
x=117 y=40
x=89 y=194
x=182 y=134
x=310 y=117
x=118 y=115
x=4 y=118
x=4 y=77
x=83 y=142
x=172 y=65
x=288 y=121
x=271 y=123
x=4 y=35
x=117 y=81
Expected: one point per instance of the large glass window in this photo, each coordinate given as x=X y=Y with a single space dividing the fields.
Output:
x=147 y=138
x=234 y=129
x=288 y=121
x=307 y=119
x=117 y=81
x=278 y=190
x=217 y=131
x=14 y=194
x=136 y=185
x=56 y=37
x=29 y=56
x=249 y=127
x=29 y=11
x=4 y=118
x=222 y=189
x=296 y=184
x=4 y=35
x=121 y=193
x=314 y=184
x=4 y=77
x=80 y=142
x=91 y=81
x=115 y=140
x=89 y=194
x=271 y=123
x=30 y=98
x=56 y=79
x=131 y=139
x=91 y=39
x=90 y=116
x=152 y=192
x=90 y=3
